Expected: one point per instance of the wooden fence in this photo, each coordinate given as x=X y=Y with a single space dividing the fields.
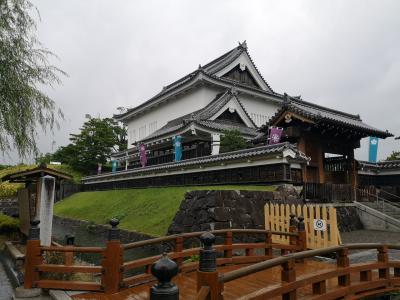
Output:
x=277 y=218
x=328 y=192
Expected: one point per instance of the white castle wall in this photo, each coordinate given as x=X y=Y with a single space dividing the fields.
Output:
x=143 y=125
x=260 y=110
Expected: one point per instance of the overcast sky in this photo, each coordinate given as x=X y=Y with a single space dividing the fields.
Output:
x=341 y=54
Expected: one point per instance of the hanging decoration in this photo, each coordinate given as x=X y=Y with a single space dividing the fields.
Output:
x=142 y=155
x=178 y=147
x=274 y=135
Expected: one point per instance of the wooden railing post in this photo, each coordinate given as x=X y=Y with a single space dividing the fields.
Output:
x=33 y=256
x=228 y=243
x=288 y=274
x=301 y=240
x=112 y=261
x=383 y=257
x=268 y=241
x=164 y=270
x=69 y=255
x=343 y=262
x=292 y=228
x=179 y=249
x=302 y=236
x=207 y=274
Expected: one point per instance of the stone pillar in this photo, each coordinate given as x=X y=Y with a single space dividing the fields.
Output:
x=216 y=142
x=45 y=211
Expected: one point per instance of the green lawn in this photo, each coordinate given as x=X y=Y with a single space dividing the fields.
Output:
x=144 y=210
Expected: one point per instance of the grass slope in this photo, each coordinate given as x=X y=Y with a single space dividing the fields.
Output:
x=145 y=210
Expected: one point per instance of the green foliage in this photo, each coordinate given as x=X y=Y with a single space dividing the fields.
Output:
x=24 y=67
x=232 y=140
x=8 y=189
x=8 y=224
x=97 y=139
x=148 y=210
x=395 y=155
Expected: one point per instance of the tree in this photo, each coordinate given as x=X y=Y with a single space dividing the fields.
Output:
x=394 y=156
x=24 y=69
x=98 y=138
x=232 y=140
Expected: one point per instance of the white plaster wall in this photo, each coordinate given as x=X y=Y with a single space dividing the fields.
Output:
x=174 y=108
x=260 y=110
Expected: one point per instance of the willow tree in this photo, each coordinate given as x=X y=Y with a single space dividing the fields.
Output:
x=24 y=71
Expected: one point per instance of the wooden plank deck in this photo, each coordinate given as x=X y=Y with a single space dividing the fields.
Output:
x=233 y=290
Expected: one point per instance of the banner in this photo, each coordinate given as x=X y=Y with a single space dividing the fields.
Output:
x=373 y=149
x=274 y=135
x=99 y=165
x=114 y=166
x=142 y=155
x=178 y=147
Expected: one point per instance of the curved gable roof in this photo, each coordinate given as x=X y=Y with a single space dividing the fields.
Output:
x=210 y=69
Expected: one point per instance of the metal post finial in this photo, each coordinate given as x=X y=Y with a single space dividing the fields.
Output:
x=300 y=224
x=69 y=239
x=208 y=256
x=113 y=233
x=34 y=230
x=164 y=270
x=292 y=221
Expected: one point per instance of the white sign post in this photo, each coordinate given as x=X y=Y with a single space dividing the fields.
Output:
x=319 y=224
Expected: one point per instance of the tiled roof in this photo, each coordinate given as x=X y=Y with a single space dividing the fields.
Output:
x=386 y=165
x=201 y=117
x=228 y=156
x=323 y=114
x=226 y=125
x=210 y=69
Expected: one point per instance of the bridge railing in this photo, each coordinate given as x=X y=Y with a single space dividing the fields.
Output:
x=228 y=251
x=290 y=284
x=114 y=273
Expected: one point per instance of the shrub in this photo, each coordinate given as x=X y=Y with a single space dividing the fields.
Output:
x=8 y=224
x=232 y=140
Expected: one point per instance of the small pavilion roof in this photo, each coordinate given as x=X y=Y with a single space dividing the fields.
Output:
x=321 y=114
x=34 y=174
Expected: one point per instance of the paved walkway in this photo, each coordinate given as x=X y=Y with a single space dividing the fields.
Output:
x=6 y=289
x=370 y=236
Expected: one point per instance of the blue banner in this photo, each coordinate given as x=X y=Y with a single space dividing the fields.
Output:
x=114 y=166
x=178 y=147
x=373 y=149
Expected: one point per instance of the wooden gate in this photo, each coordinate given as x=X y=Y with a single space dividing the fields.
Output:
x=277 y=219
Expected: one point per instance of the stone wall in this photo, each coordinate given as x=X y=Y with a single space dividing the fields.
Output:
x=348 y=219
x=212 y=210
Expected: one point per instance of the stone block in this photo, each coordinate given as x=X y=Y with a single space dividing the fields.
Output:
x=21 y=292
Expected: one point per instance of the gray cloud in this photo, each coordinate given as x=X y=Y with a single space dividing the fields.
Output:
x=342 y=54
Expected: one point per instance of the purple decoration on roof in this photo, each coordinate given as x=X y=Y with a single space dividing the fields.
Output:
x=274 y=135
x=142 y=155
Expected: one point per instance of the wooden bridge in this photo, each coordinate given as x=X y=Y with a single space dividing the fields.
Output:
x=229 y=264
